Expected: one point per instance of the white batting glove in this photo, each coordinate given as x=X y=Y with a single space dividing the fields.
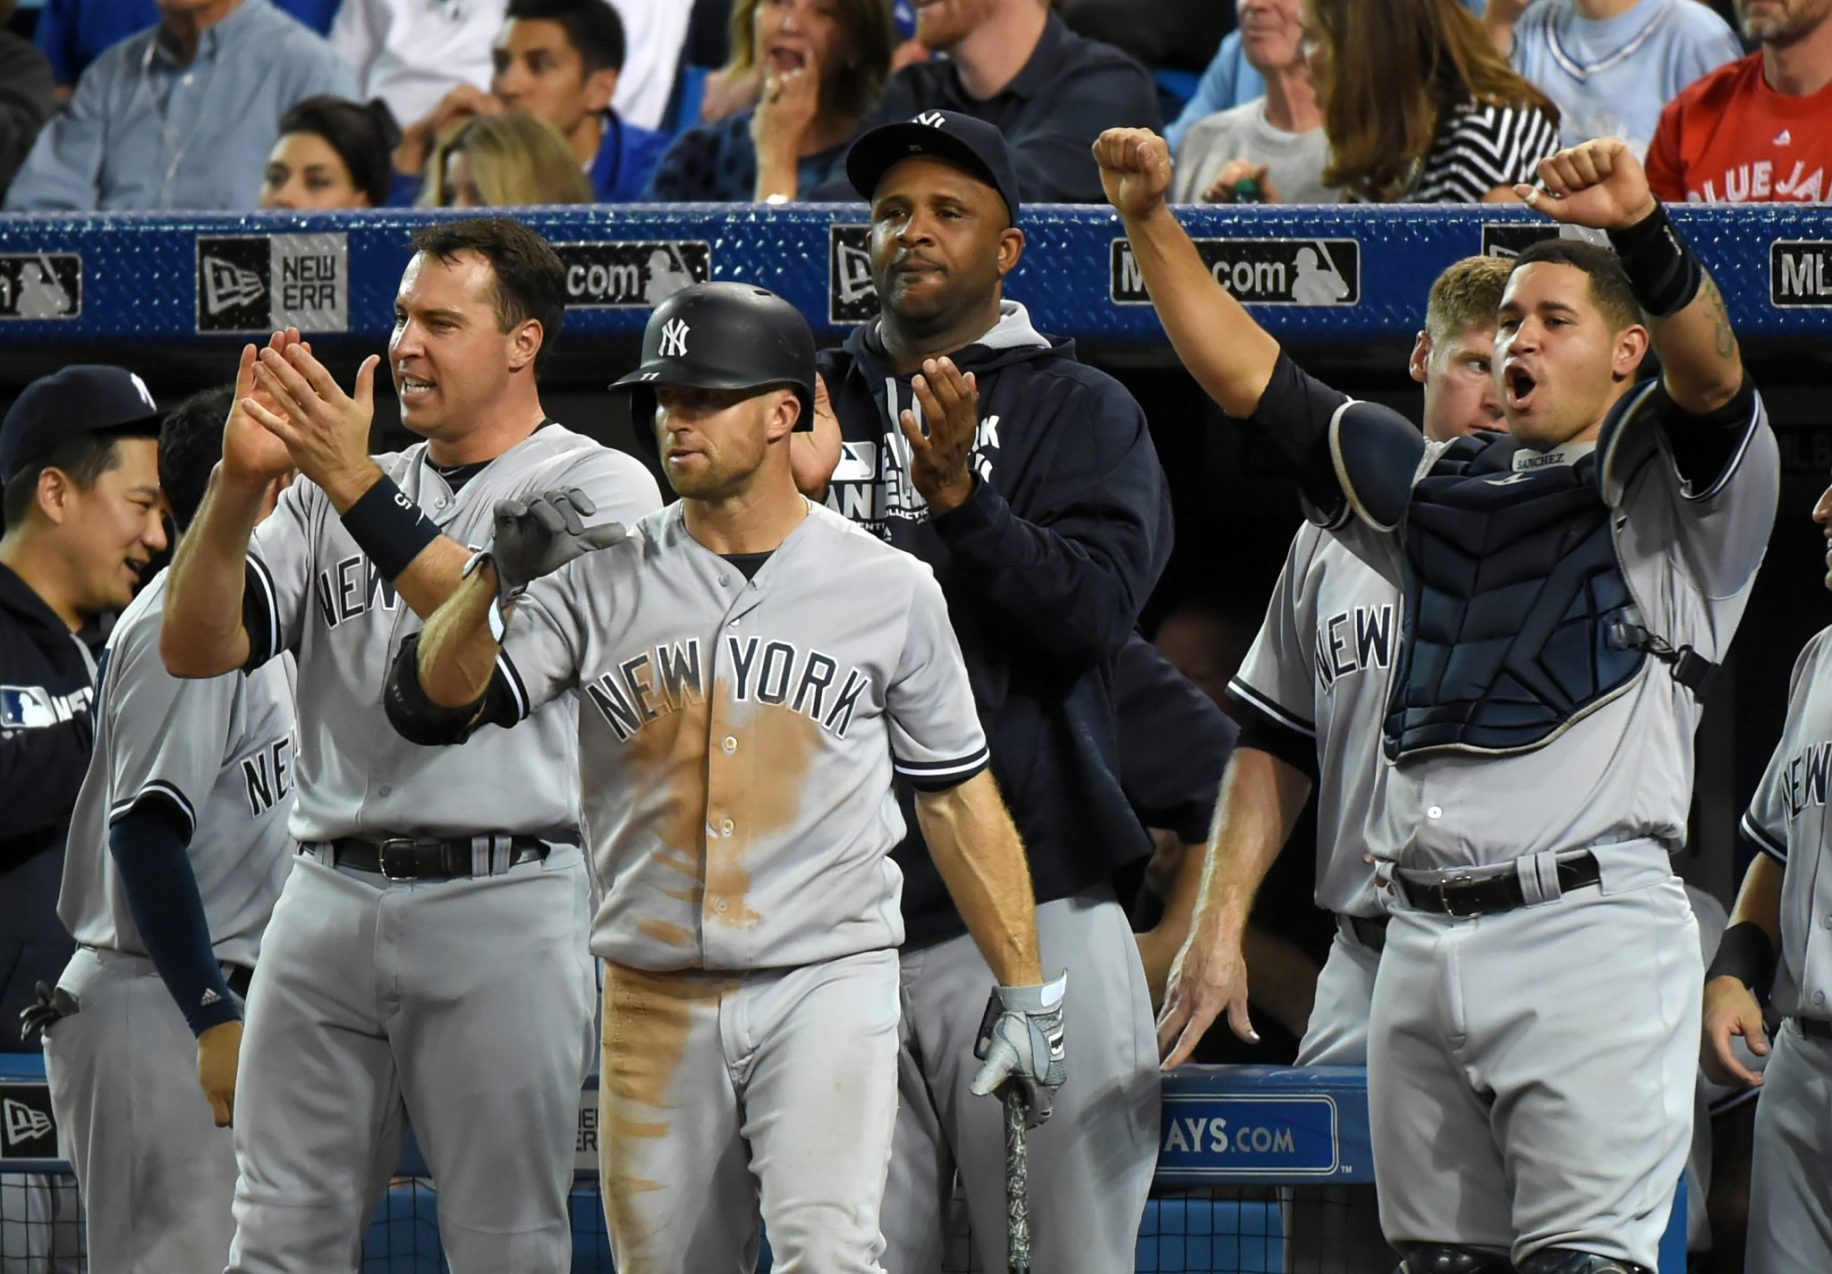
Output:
x=1020 y=1041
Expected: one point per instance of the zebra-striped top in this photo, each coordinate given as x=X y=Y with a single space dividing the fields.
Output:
x=1480 y=147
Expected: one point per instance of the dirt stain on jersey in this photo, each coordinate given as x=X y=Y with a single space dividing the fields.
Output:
x=664 y=931
x=648 y=1018
x=769 y=766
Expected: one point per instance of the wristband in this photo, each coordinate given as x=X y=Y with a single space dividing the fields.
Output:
x=1746 y=954
x=389 y=527
x=1662 y=272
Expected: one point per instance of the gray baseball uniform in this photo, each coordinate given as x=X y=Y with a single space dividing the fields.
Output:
x=468 y=999
x=737 y=740
x=1319 y=666
x=157 y=1176
x=1790 y=1188
x=1484 y=1136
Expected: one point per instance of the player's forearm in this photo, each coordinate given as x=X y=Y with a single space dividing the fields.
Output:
x=457 y=653
x=981 y=860
x=201 y=633
x=1759 y=900
x=1700 y=358
x=433 y=577
x=1261 y=798
x=1229 y=354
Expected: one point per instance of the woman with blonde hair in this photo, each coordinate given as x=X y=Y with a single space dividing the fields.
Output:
x=823 y=64
x=497 y=161
x=1418 y=105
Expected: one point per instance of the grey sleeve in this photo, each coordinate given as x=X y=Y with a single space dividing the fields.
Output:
x=1728 y=467
x=279 y=583
x=1765 y=821
x=617 y=483
x=937 y=741
x=168 y=736
x=1278 y=674
x=544 y=639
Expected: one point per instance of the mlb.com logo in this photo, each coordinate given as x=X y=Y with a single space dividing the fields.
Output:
x=27 y=1130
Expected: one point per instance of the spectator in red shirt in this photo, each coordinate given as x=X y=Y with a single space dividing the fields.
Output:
x=1756 y=130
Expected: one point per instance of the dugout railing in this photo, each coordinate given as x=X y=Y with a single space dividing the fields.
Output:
x=1250 y=1159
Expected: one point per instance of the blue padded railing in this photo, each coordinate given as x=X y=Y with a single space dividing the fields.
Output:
x=1337 y=274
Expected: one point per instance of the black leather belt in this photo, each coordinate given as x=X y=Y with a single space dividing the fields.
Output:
x=423 y=857
x=1814 y=1028
x=1369 y=931
x=1459 y=895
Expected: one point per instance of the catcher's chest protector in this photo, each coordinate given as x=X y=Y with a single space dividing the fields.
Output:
x=1515 y=605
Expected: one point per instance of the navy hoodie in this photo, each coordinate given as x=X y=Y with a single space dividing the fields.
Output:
x=1045 y=569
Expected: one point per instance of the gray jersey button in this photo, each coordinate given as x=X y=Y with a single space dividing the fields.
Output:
x=730 y=745
x=1434 y=812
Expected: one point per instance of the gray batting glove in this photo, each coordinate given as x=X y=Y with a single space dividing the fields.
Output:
x=1020 y=1041
x=537 y=535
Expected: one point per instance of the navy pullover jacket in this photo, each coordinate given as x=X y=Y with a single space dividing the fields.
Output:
x=1045 y=569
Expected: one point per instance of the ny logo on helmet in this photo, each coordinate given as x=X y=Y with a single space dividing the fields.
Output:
x=674 y=339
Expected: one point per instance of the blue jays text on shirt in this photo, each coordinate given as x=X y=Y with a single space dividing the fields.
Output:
x=663 y=680
x=871 y=485
x=1354 y=639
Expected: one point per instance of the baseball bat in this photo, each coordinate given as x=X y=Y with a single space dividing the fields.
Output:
x=1017 y=1183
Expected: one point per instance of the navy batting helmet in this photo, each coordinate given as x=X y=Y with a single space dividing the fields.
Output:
x=721 y=336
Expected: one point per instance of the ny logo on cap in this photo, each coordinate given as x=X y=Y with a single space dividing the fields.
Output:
x=146 y=395
x=674 y=339
x=932 y=119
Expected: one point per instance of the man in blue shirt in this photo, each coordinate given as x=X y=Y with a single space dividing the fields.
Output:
x=74 y=33
x=1018 y=67
x=180 y=117
x=1610 y=66
x=558 y=60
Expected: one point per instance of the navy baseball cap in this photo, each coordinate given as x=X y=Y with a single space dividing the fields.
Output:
x=970 y=144
x=82 y=398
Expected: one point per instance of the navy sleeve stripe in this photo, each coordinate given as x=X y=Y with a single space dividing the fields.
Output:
x=1736 y=460
x=954 y=770
x=932 y=782
x=160 y=789
x=1285 y=717
x=1762 y=840
x=513 y=680
x=268 y=603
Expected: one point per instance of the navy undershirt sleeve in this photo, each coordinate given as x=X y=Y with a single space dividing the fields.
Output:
x=148 y=843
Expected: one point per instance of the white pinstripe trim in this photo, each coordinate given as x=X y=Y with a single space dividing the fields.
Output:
x=1762 y=840
x=270 y=602
x=158 y=787
x=941 y=769
x=1271 y=708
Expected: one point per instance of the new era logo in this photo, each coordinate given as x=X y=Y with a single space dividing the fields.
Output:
x=227 y=285
x=22 y=1122
x=674 y=339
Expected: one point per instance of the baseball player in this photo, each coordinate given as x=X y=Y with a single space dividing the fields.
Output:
x=428 y=949
x=177 y=851
x=1568 y=588
x=1314 y=679
x=752 y=671
x=1029 y=483
x=1782 y=910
